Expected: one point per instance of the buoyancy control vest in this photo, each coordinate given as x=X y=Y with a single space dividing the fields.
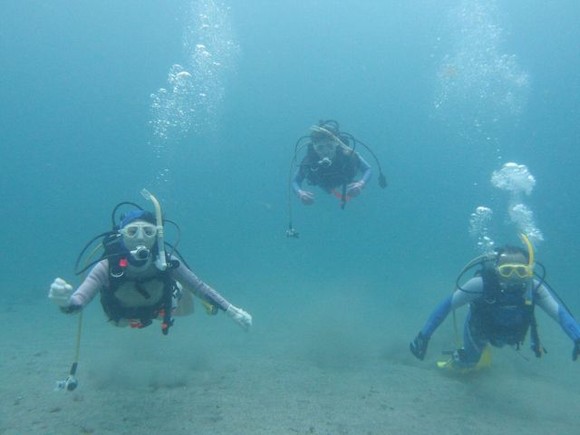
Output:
x=503 y=317
x=151 y=296
x=341 y=172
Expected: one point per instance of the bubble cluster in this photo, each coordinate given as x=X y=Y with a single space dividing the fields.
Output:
x=193 y=94
x=517 y=180
x=479 y=229
x=172 y=110
x=513 y=178
x=211 y=54
x=523 y=218
x=477 y=84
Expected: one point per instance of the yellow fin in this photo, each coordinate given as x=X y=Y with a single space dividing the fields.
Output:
x=485 y=359
x=484 y=362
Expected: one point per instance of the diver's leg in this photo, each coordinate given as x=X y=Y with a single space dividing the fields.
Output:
x=474 y=343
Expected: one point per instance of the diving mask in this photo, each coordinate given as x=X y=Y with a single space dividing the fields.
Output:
x=325 y=148
x=324 y=141
x=141 y=230
x=515 y=270
x=139 y=238
x=509 y=270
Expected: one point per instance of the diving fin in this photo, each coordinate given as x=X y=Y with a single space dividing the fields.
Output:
x=485 y=359
x=484 y=362
x=445 y=364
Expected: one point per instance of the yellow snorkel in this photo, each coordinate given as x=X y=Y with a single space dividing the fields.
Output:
x=161 y=262
x=528 y=244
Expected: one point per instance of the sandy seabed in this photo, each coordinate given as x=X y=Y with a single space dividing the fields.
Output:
x=209 y=377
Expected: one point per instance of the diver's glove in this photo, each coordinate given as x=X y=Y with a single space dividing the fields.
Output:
x=354 y=189
x=240 y=316
x=419 y=345
x=576 y=350
x=306 y=197
x=60 y=293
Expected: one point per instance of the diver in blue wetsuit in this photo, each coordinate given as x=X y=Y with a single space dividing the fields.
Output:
x=501 y=299
x=331 y=164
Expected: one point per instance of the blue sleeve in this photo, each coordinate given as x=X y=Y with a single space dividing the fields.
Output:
x=297 y=181
x=568 y=324
x=365 y=169
x=556 y=310
x=437 y=317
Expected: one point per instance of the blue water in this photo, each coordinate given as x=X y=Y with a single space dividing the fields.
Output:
x=76 y=138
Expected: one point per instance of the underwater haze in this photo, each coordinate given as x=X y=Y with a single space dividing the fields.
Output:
x=471 y=108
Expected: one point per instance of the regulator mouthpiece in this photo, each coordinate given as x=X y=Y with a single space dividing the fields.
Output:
x=325 y=163
x=141 y=253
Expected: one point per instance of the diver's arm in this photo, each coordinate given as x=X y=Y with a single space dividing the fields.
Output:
x=97 y=279
x=305 y=196
x=365 y=168
x=199 y=288
x=471 y=290
x=355 y=188
x=297 y=181
x=545 y=300
x=437 y=317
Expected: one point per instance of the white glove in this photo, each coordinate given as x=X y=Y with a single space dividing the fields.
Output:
x=306 y=197
x=240 y=317
x=60 y=292
x=354 y=189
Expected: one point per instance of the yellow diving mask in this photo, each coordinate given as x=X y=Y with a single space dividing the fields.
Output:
x=519 y=270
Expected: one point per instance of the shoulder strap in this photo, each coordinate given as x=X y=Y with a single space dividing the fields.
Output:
x=490 y=283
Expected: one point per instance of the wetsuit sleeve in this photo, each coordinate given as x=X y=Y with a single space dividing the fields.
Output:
x=297 y=180
x=471 y=290
x=96 y=280
x=199 y=288
x=545 y=300
x=365 y=168
x=437 y=317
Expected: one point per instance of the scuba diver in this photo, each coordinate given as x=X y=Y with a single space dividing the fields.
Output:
x=332 y=163
x=501 y=296
x=137 y=280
